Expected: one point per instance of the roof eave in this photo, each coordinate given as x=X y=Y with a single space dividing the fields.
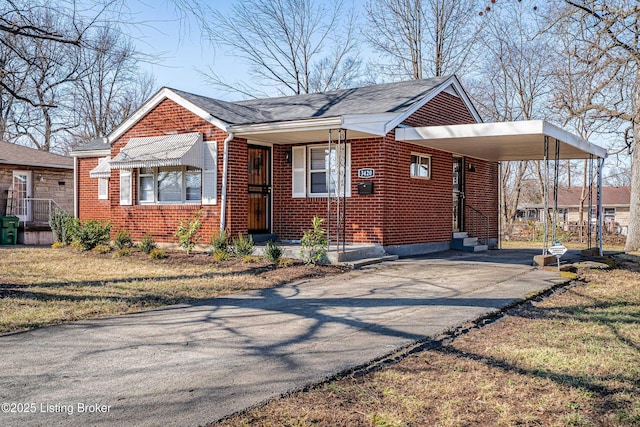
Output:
x=286 y=126
x=91 y=153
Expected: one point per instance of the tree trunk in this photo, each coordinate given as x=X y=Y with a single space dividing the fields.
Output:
x=633 y=232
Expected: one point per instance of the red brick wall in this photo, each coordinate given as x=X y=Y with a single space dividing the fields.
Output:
x=292 y=216
x=161 y=221
x=481 y=193
x=444 y=109
x=89 y=206
x=403 y=210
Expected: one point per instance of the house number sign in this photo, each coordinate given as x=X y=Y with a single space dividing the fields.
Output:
x=366 y=173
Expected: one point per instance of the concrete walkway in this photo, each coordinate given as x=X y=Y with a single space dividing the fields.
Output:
x=192 y=364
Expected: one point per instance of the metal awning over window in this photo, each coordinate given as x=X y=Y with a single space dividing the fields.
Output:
x=159 y=151
x=103 y=170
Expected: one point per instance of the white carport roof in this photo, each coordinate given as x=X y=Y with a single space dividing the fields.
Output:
x=506 y=141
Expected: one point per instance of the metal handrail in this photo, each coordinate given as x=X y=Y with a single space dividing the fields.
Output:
x=33 y=208
x=476 y=222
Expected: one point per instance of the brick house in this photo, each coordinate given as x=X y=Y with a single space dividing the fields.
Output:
x=615 y=207
x=267 y=166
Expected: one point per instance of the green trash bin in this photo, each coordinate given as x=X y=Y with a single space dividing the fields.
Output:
x=9 y=230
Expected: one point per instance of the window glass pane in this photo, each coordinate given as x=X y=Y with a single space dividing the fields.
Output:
x=414 y=165
x=169 y=186
x=146 y=189
x=318 y=158
x=423 y=168
x=318 y=182
x=193 y=183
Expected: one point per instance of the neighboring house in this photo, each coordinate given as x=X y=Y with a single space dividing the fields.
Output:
x=267 y=166
x=31 y=183
x=615 y=207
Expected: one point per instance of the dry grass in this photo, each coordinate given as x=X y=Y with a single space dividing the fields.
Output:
x=570 y=359
x=42 y=286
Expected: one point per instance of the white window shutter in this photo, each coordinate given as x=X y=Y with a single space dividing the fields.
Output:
x=210 y=173
x=103 y=188
x=125 y=187
x=299 y=172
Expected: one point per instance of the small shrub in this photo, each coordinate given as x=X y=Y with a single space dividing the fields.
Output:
x=76 y=245
x=147 y=244
x=187 y=233
x=123 y=240
x=58 y=221
x=101 y=249
x=285 y=262
x=250 y=259
x=72 y=228
x=272 y=252
x=220 y=255
x=93 y=233
x=158 y=254
x=57 y=245
x=314 y=243
x=123 y=252
x=243 y=245
x=219 y=241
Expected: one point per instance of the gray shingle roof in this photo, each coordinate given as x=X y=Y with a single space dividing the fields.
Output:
x=96 y=144
x=383 y=98
x=14 y=154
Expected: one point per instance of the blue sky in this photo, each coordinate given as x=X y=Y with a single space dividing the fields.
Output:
x=177 y=48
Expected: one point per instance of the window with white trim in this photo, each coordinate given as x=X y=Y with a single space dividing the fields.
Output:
x=315 y=171
x=610 y=214
x=103 y=188
x=181 y=184
x=420 y=166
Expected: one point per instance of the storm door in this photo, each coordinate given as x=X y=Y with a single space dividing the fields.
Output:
x=259 y=206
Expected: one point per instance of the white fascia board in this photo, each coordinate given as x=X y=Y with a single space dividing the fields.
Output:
x=287 y=126
x=91 y=153
x=451 y=82
x=368 y=123
x=162 y=94
x=555 y=132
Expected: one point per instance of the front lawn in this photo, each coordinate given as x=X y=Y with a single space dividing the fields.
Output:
x=43 y=286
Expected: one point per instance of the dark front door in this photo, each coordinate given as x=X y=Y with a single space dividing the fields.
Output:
x=458 y=194
x=259 y=170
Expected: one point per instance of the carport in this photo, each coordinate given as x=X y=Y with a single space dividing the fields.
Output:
x=516 y=141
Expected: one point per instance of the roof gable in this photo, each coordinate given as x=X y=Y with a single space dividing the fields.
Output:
x=14 y=154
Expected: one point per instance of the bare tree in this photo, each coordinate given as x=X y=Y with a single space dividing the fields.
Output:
x=111 y=87
x=515 y=85
x=420 y=38
x=294 y=46
x=608 y=34
x=60 y=23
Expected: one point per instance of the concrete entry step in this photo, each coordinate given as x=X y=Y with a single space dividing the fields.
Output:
x=369 y=261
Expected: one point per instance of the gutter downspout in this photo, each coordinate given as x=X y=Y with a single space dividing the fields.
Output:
x=225 y=172
x=76 y=212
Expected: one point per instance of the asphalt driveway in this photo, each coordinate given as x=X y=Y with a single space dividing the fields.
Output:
x=192 y=364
